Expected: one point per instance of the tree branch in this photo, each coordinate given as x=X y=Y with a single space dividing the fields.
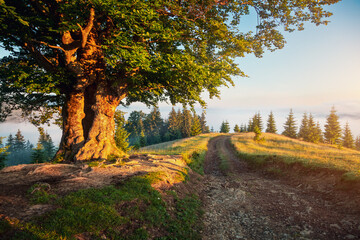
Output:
x=43 y=61
x=50 y=46
x=71 y=45
x=85 y=32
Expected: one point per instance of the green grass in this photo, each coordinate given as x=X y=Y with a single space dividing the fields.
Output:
x=133 y=210
x=40 y=194
x=192 y=149
x=224 y=163
x=181 y=146
x=287 y=150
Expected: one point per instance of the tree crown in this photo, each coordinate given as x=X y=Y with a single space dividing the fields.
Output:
x=145 y=50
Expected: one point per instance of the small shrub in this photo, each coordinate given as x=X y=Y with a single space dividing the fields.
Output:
x=94 y=164
x=257 y=136
x=59 y=158
x=154 y=177
x=39 y=193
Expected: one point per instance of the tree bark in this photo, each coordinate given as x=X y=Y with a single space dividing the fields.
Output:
x=88 y=114
x=73 y=135
x=89 y=126
x=99 y=124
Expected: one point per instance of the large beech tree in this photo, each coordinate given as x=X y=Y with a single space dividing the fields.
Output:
x=85 y=57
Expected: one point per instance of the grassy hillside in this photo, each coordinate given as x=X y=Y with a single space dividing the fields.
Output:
x=132 y=209
x=181 y=146
x=287 y=150
x=192 y=149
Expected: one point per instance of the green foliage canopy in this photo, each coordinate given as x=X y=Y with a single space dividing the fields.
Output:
x=147 y=50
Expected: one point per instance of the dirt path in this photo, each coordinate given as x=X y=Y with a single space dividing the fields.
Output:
x=245 y=204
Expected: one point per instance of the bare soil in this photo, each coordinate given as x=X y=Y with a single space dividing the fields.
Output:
x=15 y=181
x=245 y=203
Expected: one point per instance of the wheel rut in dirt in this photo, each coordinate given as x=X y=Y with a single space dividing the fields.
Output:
x=241 y=203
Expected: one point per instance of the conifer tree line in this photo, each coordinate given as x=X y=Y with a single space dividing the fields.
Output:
x=309 y=129
x=16 y=150
x=145 y=129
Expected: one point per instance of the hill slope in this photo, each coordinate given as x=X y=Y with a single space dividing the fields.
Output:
x=270 y=199
x=277 y=148
x=277 y=188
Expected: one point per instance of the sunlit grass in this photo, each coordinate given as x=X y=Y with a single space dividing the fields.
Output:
x=292 y=150
x=131 y=210
x=192 y=150
x=179 y=147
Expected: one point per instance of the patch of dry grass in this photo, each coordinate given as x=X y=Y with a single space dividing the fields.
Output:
x=292 y=150
x=180 y=147
x=192 y=149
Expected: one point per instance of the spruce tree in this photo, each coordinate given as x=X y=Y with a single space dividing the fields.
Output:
x=3 y=153
x=256 y=121
x=290 y=126
x=204 y=127
x=19 y=142
x=10 y=143
x=174 y=122
x=38 y=155
x=257 y=133
x=357 y=143
x=259 y=122
x=332 y=132
x=121 y=135
x=186 y=123
x=142 y=141
x=153 y=124
x=236 y=128
x=29 y=146
x=313 y=134
x=135 y=126
x=304 y=130
x=250 y=126
x=17 y=151
x=347 y=139
x=243 y=128
x=47 y=144
x=319 y=132
x=225 y=127
x=271 y=126
x=196 y=126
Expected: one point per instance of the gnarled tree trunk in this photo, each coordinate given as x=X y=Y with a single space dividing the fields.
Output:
x=99 y=124
x=89 y=126
x=73 y=135
x=88 y=114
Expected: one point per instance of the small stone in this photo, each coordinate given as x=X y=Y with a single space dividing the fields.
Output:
x=334 y=225
x=349 y=236
x=305 y=232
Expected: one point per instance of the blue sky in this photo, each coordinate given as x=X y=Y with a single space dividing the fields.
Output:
x=318 y=68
